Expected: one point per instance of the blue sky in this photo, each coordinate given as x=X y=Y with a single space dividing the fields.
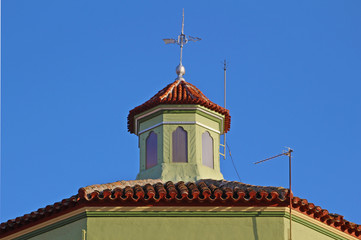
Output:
x=72 y=70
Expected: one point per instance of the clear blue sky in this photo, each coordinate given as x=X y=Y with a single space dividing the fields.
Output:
x=72 y=70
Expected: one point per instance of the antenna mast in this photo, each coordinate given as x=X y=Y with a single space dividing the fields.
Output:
x=224 y=145
x=225 y=70
x=288 y=153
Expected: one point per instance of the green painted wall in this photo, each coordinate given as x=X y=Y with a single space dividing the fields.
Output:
x=163 y=124
x=300 y=232
x=165 y=228
x=304 y=230
x=248 y=225
x=59 y=231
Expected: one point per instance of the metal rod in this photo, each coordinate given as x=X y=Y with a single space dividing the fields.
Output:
x=180 y=61
x=264 y=160
x=183 y=22
x=225 y=99
x=225 y=81
x=290 y=185
x=182 y=38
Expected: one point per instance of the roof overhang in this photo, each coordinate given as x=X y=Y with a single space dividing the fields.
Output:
x=177 y=108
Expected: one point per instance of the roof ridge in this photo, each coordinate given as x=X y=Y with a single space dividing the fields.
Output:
x=205 y=192
x=198 y=91
x=187 y=87
x=173 y=85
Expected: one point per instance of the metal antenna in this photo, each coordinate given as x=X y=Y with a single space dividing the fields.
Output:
x=225 y=145
x=181 y=41
x=288 y=153
x=225 y=65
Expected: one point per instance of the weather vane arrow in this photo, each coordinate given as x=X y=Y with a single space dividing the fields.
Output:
x=181 y=41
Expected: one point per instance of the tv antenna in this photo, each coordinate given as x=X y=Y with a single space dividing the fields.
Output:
x=289 y=154
x=181 y=41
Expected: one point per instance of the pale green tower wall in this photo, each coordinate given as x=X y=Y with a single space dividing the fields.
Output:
x=195 y=120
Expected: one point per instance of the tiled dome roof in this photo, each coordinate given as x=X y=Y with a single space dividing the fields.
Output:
x=179 y=92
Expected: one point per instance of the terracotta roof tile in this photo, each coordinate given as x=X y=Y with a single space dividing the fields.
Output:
x=179 y=92
x=202 y=193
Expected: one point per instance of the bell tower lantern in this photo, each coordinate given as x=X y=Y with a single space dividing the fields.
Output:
x=179 y=129
x=179 y=132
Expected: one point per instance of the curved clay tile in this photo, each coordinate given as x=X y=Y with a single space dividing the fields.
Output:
x=202 y=193
x=179 y=92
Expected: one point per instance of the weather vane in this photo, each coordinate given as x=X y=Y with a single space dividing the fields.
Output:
x=181 y=41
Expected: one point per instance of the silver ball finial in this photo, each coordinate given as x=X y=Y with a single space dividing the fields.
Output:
x=180 y=70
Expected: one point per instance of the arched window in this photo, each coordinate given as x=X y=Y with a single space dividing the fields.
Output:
x=180 y=146
x=207 y=150
x=151 y=150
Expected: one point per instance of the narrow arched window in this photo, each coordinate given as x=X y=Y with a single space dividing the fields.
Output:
x=151 y=150
x=180 y=146
x=207 y=150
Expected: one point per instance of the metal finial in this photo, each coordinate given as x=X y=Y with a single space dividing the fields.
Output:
x=181 y=41
x=180 y=70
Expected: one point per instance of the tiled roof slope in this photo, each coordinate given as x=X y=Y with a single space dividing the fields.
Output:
x=202 y=193
x=179 y=92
